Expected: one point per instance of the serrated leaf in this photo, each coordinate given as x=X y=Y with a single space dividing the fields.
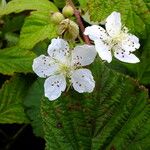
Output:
x=11 y=100
x=36 y=28
x=32 y=103
x=16 y=6
x=134 y=13
x=109 y=118
x=14 y=59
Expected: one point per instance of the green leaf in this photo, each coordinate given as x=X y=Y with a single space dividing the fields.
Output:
x=11 y=38
x=143 y=68
x=32 y=103
x=142 y=138
x=16 y=6
x=11 y=100
x=13 y=24
x=109 y=118
x=83 y=3
x=37 y=27
x=134 y=13
x=14 y=59
x=59 y=3
x=2 y=4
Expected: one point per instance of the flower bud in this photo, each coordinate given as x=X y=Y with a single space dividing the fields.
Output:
x=57 y=17
x=68 y=29
x=68 y=11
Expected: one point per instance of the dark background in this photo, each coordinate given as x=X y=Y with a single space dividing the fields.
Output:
x=24 y=139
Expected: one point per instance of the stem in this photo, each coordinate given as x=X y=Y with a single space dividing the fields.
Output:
x=3 y=133
x=8 y=146
x=19 y=132
x=79 y=21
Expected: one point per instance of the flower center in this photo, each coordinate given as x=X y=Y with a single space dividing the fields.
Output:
x=117 y=39
x=65 y=69
x=113 y=41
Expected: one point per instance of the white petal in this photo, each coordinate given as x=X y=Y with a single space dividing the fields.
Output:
x=113 y=24
x=54 y=86
x=130 y=43
x=103 y=50
x=83 y=81
x=125 y=56
x=83 y=55
x=44 y=66
x=96 y=32
x=58 y=49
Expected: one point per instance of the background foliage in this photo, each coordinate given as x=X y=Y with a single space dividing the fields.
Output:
x=115 y=116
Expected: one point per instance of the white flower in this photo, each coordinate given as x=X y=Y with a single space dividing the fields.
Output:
x=115 y=40
x=61 y=63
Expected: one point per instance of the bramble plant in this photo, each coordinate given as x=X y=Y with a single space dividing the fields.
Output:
x=61 y=76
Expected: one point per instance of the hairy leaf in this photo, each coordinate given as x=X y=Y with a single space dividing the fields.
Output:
x=109 y=118
x=16 y=6
x=14 y=59
x=11 y=100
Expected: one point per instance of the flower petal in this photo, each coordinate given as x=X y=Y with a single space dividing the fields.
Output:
x=103 y=50
x=113 y=24
x=58 y=49
x=83 y=55
x=96 y=32
x=54 y=85
x=83 y=81
x=130 y=43
x=44 y=66
x=125 y=56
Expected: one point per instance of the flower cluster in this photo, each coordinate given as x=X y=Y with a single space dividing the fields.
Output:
x=63 y=65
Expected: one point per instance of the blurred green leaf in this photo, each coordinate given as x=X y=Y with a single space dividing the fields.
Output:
x=60 y=3
x=14 y=59
x=32 y=103
x=12 y=39
x=41 y=48
x=37 y=27
x=112 y=117
x=11 y=100
x=16 y=6
x=2 y=4
x=83 y=3
x=13 y=24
